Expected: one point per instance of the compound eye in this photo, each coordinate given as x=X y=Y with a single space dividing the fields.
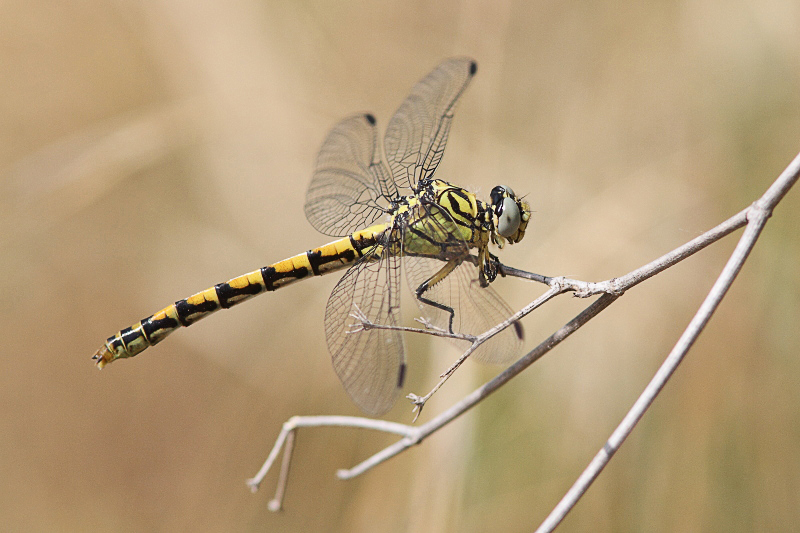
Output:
x=509 y=218
x=496 y=196
x=500 y=192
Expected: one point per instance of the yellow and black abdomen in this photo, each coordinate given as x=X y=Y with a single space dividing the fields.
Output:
x=316 y=262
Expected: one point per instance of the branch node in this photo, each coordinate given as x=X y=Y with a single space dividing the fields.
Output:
x=418 y=402
x=616 y=287
x=557 y=283
x=427 y=324
x=758 y=211
x=610 y=290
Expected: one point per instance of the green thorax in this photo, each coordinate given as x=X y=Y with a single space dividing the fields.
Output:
x=440 y=219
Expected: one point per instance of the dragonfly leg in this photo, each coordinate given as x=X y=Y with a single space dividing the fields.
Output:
x=433 y=280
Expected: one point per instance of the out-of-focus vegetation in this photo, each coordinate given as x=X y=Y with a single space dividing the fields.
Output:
x=151 y=149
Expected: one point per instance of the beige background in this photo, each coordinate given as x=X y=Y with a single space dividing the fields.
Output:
x=151 y=149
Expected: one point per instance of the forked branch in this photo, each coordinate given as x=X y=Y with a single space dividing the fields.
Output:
x=754 y=217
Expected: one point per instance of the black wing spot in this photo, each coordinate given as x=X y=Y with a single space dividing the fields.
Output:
x=473 y=68
x=518 y=330
x=370 y=118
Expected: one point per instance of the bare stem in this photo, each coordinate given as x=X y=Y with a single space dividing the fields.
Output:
x=584 y=289
x=276 y=503
x=419 y=401
x=291 y=425
x=365 y=324
x=485 y=390
x=754 y=217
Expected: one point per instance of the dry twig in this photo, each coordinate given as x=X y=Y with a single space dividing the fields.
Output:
x=754 y=217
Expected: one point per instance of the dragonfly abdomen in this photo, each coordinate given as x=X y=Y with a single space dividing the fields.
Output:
x=149 y=331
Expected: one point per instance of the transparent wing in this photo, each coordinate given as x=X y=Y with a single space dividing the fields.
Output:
x=350 y=182
x=417 y=134
x=370 y=363
x=476 y=309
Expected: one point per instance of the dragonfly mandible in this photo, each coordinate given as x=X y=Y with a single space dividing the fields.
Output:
x=438 y=231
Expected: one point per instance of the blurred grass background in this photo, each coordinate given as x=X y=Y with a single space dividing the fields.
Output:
x=151 y=149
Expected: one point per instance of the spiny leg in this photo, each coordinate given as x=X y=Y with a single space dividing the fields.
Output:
x=433 y=280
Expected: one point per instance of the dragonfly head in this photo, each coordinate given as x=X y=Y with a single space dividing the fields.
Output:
x=511 y=215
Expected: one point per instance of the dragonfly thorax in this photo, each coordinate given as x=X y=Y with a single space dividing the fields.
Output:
x=439 y=230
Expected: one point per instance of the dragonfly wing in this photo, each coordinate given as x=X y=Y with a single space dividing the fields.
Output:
x=417 y=134
x=476 y=309
x=370 y=363
x=350 y=180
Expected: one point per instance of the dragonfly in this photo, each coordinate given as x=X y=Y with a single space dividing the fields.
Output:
x=390 y=215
